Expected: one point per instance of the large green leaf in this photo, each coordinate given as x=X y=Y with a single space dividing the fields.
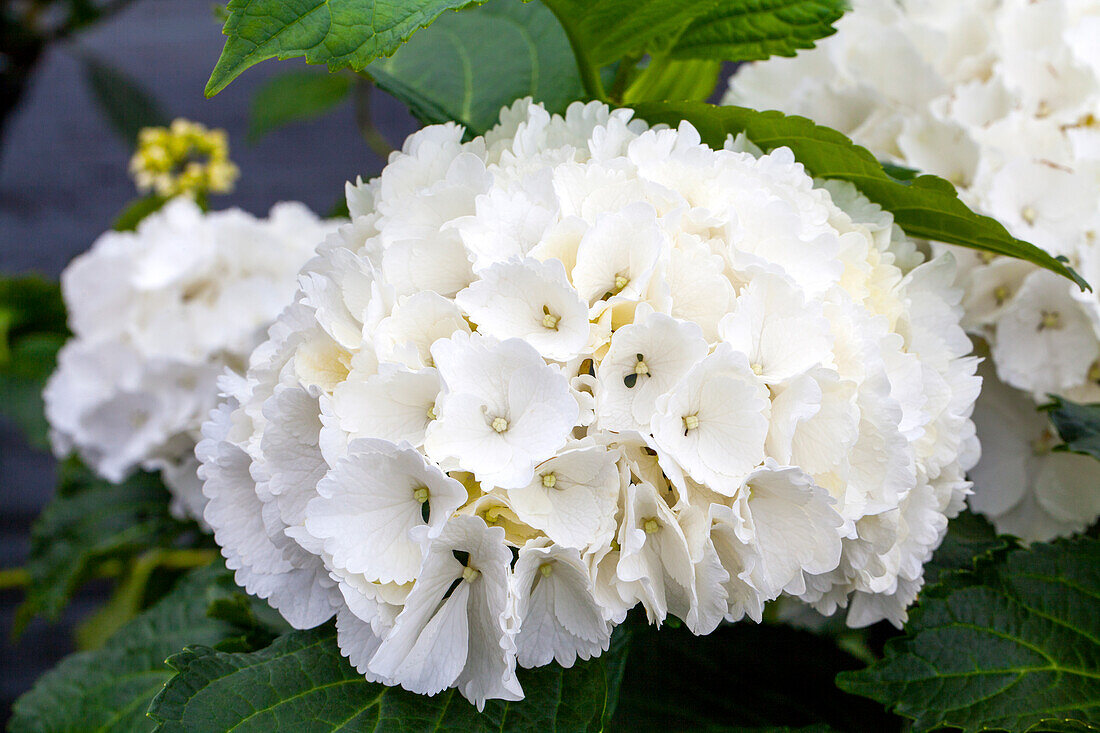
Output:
x=970 y=537
x=750 y=30
x=302 y=683
x=293 y=97
x=718 y=30
x=88 y=523
x=926 y=207
x=110 y=689
x=1014 y=645
x=340 y=33
x=742 y=676
x=453 y=71
x=32 y=329
x=1078 y=425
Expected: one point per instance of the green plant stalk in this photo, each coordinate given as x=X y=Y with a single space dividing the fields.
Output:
x=590 y=75
x=14 y=578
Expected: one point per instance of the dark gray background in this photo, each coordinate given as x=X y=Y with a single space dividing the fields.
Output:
x=63 y=180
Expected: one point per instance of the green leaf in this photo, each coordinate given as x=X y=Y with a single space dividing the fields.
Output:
x=122 y=101
x=675 y=81
x=301 y=682
x=1078 y=425
x=751 y=30
x=32 y=329
x=925 y=207
x=89 y=522
x=740 y=677
x=970 y=537
x=110 y=689
x=129 y=218
x=340 y=33
x=451 y=71
x=1014 y=645
x=293 y=97
x=605 y=31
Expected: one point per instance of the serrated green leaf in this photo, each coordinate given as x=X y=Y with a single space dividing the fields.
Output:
x=1078 y=425
x=294 y=97
x=89 y=522
x=302 y=683
x=32 y=329
x=926 y=207
x=742 y=676
x=608 y=30
x=1014 y=645
x=969 y=537
x=110 y=689
x=751 y=30
x=450 y=72
x=339 y=33
x=122 y=101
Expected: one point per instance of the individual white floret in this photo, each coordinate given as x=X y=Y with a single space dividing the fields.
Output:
x=504 y=409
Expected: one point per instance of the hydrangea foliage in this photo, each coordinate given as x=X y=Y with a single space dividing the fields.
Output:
x=157 y=315
x=577 y=365
x=1001 y=97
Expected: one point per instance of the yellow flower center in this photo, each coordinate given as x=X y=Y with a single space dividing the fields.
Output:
x=549 y=480
x=499 y=424
x=470 y=574
x=1050 y=319
x=546 y=569
x=421 y=494
x=691 y=422
x=651 y=526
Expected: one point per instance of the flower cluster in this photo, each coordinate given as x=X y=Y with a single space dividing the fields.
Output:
x=578 y=364
x=185 y=158
x=1002 y=97
x=157 y=315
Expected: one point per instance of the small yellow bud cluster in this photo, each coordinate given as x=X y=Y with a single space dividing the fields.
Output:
x=185 y=158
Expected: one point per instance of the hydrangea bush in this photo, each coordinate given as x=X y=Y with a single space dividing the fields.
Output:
x=157 y=315
x=597 y=397
x=576 y=365
x=1001 y=97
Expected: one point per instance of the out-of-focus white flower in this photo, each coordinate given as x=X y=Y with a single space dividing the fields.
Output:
x=1001 y=97
x=577 y=365
x=158 y=315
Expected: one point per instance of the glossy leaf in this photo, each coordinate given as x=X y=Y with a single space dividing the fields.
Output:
x=339 y=33
x=450 y=72
x=89 y=522
x=109 y=690
x=1014 y=645
x=301 y=682
x=751 y=30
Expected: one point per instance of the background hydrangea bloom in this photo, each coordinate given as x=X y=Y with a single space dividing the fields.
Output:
x=157 y=315
x=1002 y=97
x=568 y=343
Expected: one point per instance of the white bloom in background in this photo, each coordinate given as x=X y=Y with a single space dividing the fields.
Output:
x=158 y=315
x=658 y=374
x=1002 y=98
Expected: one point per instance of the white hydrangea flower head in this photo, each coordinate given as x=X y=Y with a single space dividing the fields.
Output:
x=579 y=365
x=1002 y=98
x=158 y=315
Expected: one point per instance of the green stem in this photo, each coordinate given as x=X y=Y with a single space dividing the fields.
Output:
x=590 y=75
x=627 y=72
x=14 y=578
x=364 y=118
x=183 y=559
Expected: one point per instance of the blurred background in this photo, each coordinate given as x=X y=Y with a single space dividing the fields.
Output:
x=64 y=180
